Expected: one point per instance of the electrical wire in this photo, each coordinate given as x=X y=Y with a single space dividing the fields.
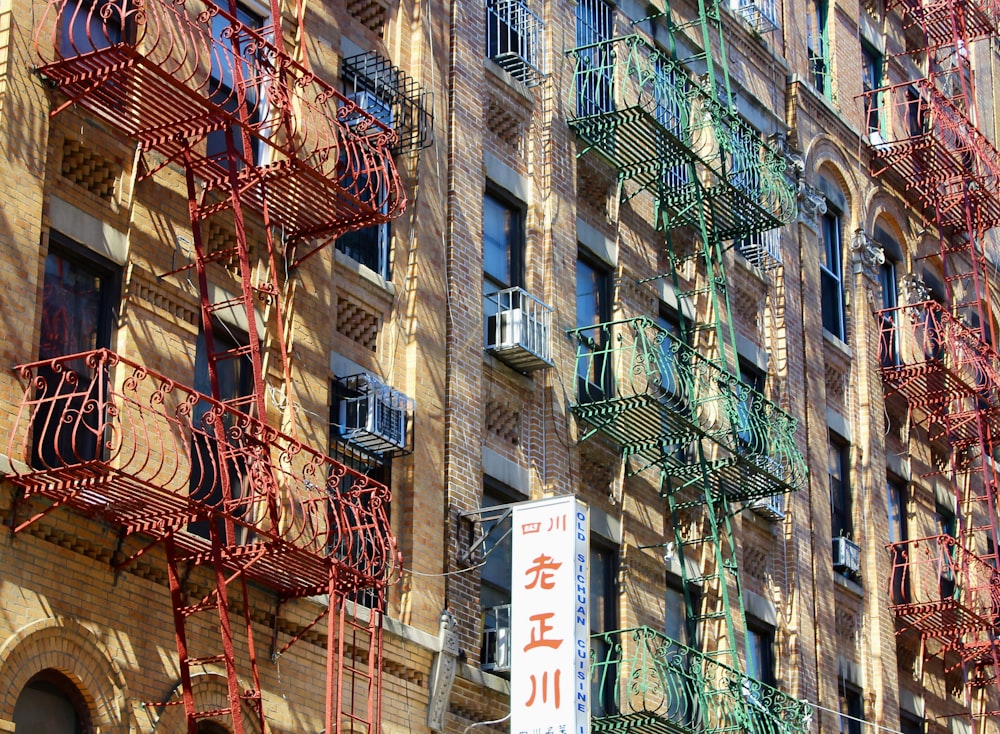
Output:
x=870 y=724
x=446 y=573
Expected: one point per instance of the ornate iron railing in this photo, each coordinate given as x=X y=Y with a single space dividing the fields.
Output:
x=644 y=112
x=112 y=439
x=937 y=151
x=933 y=359
x=169 y=74
x=942 y=589
x=651 y=392
x=641 y=677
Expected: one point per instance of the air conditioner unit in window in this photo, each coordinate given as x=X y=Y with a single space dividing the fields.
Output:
x=519 y=330
x=373 y=416
x=496 y=640
x=846 y=555
x=773 y=507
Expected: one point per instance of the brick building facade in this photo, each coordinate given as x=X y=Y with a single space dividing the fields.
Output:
x=773 y=302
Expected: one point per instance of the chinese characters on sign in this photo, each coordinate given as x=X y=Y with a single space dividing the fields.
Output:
x=550 y=632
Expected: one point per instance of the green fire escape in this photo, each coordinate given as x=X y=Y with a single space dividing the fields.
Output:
x=676 y=405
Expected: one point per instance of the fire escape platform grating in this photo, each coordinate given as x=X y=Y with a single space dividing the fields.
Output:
x=94 y=490
x=344 y=182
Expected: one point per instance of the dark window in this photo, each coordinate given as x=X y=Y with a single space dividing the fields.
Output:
x=889 y=334
x=831 y=275
x=819 y=47
x=503 y=243
x=91 y=26
x=748 y=407
x=495 y=578
x=224 y=92
x=841 y=500
x=593 y=309
x=595 y=59
x=679 y=623
x=916 y=113
x=947 y=524
x=871 y=80
x=760 y=651
x=51 y=704
x=79 y=297
x=213 y=467
x=210 y=727
x=910 y=723
x=672 y=360
x=368 y=245
x=852 y=708
x=603 y=618
x=899 y=591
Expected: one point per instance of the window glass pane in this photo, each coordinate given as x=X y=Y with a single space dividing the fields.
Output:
x=499 y=233
x=74 y=299
x=46 y=705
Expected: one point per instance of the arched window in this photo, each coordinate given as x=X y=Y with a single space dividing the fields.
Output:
x=51 y=704
x=211 y=727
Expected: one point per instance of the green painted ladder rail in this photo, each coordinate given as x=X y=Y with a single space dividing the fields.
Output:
x=644 y=680
x=659 y=401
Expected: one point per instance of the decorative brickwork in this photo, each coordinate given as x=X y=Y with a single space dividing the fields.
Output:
x=503 y=420
x=357 y=322
x=372 y=14
x=87 y=168
x=67 y=646
x=505 y=122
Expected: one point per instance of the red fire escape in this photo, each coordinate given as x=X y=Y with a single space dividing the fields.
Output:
x=937 y=350
x=231 y=500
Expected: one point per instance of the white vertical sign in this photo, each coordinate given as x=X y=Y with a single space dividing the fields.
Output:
x=550 y=606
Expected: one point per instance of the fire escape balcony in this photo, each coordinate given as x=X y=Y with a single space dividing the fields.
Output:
x=644 y=113
x=942 y=590
x=663 y=404
x=117 y=442
x=936 y=18
x=644 y=681
x=169 y=74
x=938 y=154
x=938 y=365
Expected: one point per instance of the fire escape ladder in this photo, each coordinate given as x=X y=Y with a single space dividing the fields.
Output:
x=210 y=619
x=706 y=550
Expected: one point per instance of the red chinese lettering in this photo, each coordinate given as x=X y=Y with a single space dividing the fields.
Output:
x=542 y=572
x=540 y=688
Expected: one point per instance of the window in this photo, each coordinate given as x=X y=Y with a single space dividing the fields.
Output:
x=819 y=47
x=603 y=618
x=595 y=59
x=888 y=333
x=503 y=244
x=223 y=90
x=671 y=362
x=841 y=501
x=852 y=710
x=208 y=479
x=51 y=704
x=910 y=723
x=871 y=80
x=760 y=651
x=673 y=112
x=85 y=29
x=678 y=625
x=593 y=308
x=916 y=113
x=79 y=297
x=368 y=245
x=831 y=275
x=899 y=589
x=947 y=524
x=495 y=578
x=748 y=407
